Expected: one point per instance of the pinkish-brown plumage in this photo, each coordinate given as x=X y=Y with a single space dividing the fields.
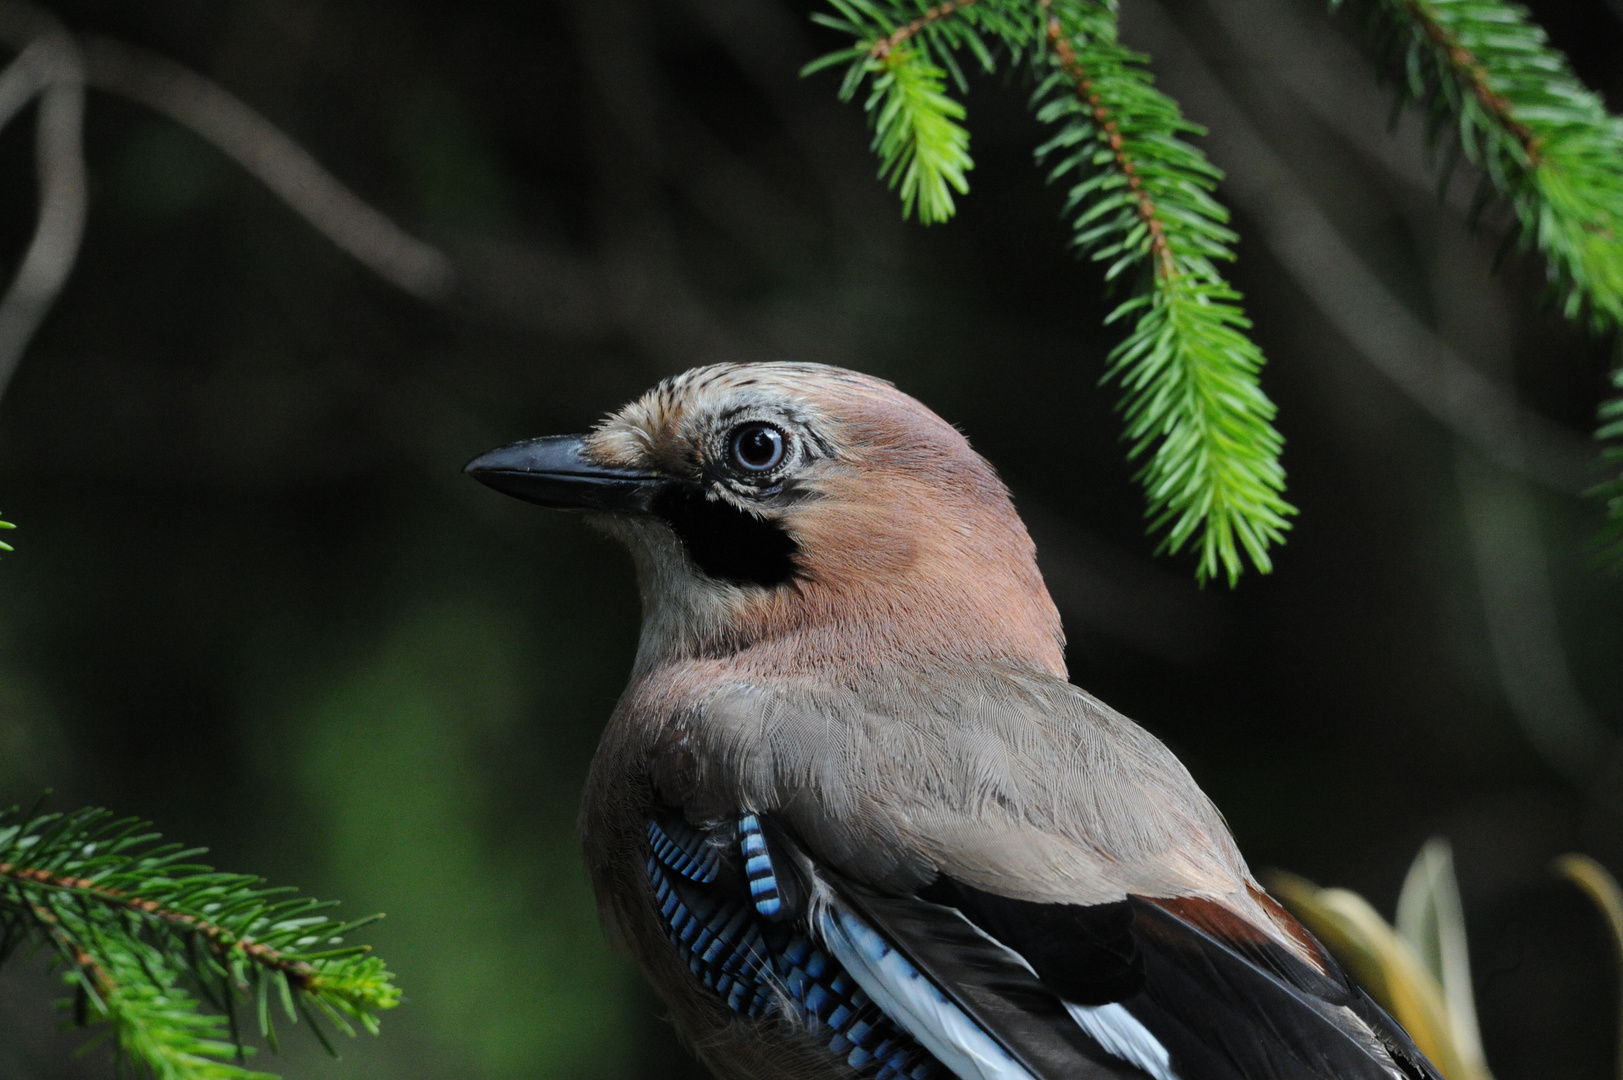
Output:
x=910 y=549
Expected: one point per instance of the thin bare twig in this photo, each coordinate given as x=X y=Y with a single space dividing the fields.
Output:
x=1508 y=551
x=276 y=160
x=51 y=66
x=1317 y=68
x=23 y=79
x=1513 y=582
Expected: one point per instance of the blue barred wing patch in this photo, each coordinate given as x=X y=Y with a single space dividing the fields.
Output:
x=723 y=907
x=723 y=947
x=681 y=847
x=763 y=879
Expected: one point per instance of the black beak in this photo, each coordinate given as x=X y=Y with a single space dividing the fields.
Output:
x=555 y=472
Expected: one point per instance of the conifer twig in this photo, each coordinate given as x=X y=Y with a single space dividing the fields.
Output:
x=1545 y=144
x=881 y=48
x=1140 y=203
x=1141 y=196
x=135 y=922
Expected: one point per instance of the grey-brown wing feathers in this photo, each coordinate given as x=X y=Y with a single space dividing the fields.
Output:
x=1030 y=798
x=1030 y=795
x=1003 y=780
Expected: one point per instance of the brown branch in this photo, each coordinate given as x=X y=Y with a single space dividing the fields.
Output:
x=1072 y=65
x=300 y=972
x=96 y=975
x=1477 y=76
x=884 y=45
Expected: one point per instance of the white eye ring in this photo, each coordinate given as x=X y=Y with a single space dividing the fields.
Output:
x=756 y=448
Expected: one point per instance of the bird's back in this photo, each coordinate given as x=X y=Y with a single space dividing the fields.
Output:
x=995 y=821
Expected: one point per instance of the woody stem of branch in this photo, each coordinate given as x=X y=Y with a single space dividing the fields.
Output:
x=882 y=48
x=1085 y=89
x=219 y=939
x=1476 y=77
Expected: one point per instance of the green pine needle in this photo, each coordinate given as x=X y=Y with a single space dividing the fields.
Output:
x=1141 y=203
x=3 y=545
x=147 y=937
x=905 y=52
x=151 y=1019
x=1194 y=411
x=1545 y=144
x=923 y=150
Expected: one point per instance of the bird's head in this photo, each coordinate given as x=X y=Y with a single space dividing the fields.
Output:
x=803 y=514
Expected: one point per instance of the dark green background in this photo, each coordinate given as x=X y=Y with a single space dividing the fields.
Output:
x=254 y=601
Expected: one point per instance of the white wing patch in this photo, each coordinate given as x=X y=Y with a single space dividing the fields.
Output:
x=1115 y=1029
x=914 y=1002
x=1120 y=1033
x=957 y=1041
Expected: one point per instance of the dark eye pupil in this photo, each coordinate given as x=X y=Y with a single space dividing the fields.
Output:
x=757 y=447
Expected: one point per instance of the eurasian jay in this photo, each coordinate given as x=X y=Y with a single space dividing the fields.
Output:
x=850 y=816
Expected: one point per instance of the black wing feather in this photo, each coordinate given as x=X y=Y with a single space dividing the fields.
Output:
x=1226 y=1007
x=1014 y=1006
x=1225 y=1002
x=1209 y=1003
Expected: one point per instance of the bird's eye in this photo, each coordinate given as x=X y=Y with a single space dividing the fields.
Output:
x=756 y=448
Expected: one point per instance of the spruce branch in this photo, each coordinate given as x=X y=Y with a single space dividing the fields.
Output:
x=137 y=927
x=1140 y=202
x=1545 y=144
x=931 y=15
x=1544 y=141
x=916 y=133
x=922 y=147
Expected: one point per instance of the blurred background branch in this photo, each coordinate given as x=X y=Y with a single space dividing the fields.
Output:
x=275 y=160
x=49 y=66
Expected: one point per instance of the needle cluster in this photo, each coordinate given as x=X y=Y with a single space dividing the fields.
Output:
x=163 y=953
x=1545 y=145
x=1140 y=204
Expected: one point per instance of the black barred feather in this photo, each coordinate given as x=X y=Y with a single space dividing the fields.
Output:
x=684 y=849
x=1226 y=1006
x=721 y=942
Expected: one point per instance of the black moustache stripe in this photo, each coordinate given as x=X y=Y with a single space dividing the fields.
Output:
x=727 y=543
